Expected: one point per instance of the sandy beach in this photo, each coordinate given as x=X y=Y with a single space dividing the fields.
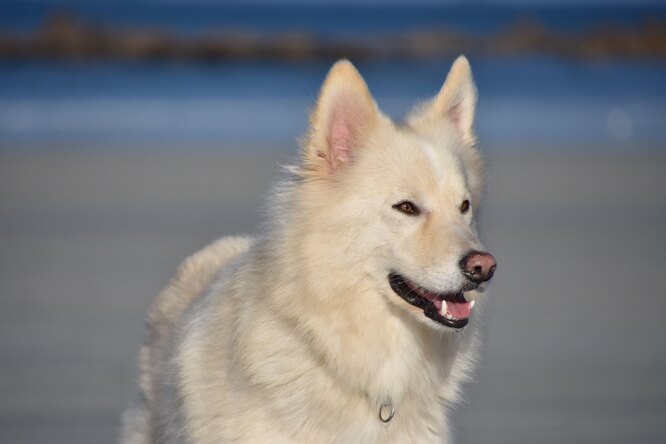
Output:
x=575 y=347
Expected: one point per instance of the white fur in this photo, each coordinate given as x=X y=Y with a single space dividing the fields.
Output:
x=296 y=336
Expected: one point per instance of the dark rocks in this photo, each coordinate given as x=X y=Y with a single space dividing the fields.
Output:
x=66 y=36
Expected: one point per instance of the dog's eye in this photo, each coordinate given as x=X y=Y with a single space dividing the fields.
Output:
x=407 y=207
x=464 y=206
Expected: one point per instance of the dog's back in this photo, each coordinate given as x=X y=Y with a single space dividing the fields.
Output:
x=193 y=277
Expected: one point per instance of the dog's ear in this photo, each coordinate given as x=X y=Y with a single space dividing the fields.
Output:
x=344 y=115
x=455 y=103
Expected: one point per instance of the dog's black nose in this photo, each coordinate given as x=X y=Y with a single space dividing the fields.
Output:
x=478 y=266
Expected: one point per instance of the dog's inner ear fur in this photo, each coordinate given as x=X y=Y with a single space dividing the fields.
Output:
x=344 y=115
x=455 y=102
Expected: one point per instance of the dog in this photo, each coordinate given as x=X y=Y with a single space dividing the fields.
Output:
x=351 y=317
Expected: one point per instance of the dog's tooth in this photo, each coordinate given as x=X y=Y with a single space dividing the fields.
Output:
x=471 y=304
x=444 y=309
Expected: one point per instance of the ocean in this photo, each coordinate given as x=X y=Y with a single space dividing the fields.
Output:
x=329 y=18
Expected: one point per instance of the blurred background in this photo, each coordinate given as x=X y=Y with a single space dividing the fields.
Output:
x=133 y=133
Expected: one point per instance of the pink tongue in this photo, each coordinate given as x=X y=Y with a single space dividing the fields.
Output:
x=459 y=310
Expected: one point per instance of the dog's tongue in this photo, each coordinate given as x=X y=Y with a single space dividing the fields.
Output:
x=455 y=310
x=459 y=310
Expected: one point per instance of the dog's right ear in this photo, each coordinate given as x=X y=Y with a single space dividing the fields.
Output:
x=344 y=115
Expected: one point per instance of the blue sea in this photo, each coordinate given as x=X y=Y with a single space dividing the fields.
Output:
x=332 y=18
x=523 y=101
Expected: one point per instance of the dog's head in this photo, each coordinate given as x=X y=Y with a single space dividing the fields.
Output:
x=398 y=201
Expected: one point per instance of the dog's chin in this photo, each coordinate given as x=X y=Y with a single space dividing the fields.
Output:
x=450 y=310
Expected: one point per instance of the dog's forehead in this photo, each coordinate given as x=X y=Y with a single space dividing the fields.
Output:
x=436 y=158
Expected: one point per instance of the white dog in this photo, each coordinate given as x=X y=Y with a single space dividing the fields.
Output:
x=346 y=320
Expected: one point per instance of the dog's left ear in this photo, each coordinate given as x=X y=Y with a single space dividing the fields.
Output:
x=344 y=115
x=455 y=103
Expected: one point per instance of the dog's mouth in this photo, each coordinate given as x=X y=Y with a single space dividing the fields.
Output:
x=449 y=309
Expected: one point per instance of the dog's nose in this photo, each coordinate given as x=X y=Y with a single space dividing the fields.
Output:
x=478 y=266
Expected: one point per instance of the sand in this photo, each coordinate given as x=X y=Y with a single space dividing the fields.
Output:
x=576 y=324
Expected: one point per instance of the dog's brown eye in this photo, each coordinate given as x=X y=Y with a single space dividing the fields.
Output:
x=407 y=207
x=464 y=207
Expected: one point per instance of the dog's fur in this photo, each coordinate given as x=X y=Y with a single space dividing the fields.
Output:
x=296 y=335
